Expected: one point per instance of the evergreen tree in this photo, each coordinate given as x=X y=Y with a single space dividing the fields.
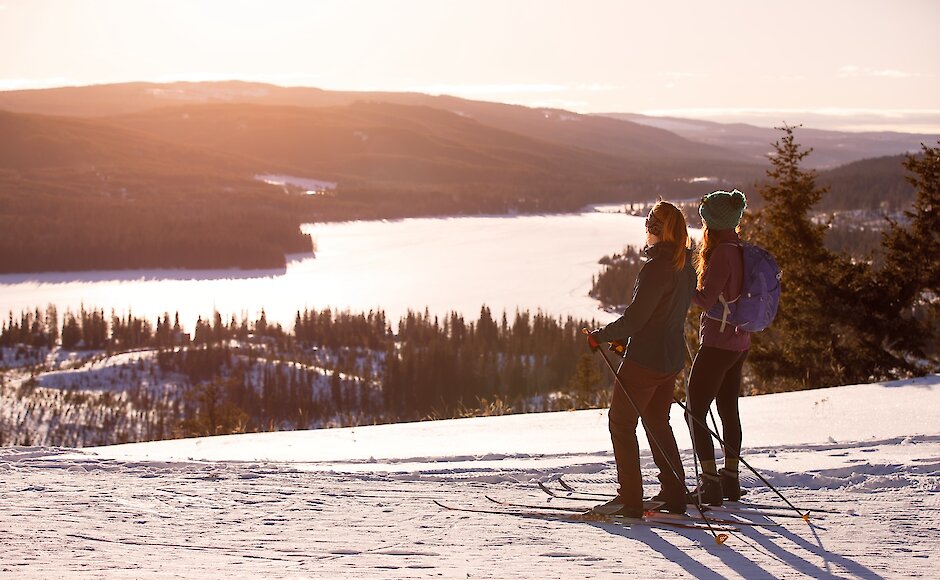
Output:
x=838 y=322
x=203 y=332
x=799 y=346
x=71 y=331
x=52 y=325
x=585 y=380
x=909 y=282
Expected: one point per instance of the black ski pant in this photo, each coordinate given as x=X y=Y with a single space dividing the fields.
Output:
x=651 y=393
x=716 y=376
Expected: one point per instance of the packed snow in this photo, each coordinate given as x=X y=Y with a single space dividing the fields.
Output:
x=357 y=502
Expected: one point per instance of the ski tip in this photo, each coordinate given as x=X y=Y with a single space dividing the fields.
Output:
x=720 y=539
x=806 y=517
x=564 y=484
x=546 y=489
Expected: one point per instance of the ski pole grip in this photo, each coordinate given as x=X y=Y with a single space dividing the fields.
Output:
x=591 y=341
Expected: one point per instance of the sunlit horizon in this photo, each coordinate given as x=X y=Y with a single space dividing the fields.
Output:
x=924 y=121
x=742 y=62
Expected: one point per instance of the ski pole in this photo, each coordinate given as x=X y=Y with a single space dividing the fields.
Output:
x=688 y=349
x=724 y=447
x=698 y=488
x=743 y=462
x=719 y=538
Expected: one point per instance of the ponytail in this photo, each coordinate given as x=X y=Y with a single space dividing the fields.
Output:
x=674 y=230
x=704 y=253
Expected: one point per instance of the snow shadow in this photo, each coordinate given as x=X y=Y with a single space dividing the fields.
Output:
x=731 y=556
x=670 y=551
x=926 y=382
x=791 y=558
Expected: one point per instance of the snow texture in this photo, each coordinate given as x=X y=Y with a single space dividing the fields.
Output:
x=357 y=502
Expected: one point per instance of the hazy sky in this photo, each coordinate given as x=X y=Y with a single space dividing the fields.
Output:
x=874 y=63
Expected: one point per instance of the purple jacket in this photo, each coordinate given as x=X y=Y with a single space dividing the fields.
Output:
x=724 y=275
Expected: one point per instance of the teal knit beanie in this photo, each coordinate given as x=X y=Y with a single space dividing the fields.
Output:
x=722 y=210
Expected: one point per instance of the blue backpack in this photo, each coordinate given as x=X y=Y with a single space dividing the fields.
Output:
x=756 y=307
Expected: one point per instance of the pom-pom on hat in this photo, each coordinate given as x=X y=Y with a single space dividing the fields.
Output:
x=722 y=210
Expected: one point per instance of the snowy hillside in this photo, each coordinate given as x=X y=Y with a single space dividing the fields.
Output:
x=357 y=502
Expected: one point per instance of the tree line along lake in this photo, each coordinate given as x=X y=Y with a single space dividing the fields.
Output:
x=459 y=264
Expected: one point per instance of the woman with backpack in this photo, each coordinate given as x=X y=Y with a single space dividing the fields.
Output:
x=652 y=327
x=716 y=370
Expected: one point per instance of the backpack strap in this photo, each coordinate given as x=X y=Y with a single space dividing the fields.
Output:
x=725 y=313
x=725 y=303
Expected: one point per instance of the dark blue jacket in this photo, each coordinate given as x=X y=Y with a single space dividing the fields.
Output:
x=653 y=325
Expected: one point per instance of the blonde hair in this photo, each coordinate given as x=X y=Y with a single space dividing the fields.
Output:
x=674 y=230
x=704 y=253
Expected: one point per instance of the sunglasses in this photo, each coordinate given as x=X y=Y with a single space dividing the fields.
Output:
x=653 y=225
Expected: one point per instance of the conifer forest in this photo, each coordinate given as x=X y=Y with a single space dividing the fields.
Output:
x=91 y=377
x=97 y=379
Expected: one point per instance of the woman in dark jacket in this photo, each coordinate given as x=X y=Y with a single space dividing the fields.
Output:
x=716 y=371
x=652 y=329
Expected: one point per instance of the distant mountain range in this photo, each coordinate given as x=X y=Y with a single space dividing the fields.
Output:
x=407 y=137
x=830 y=148
x=636 y=138
x=119 y=155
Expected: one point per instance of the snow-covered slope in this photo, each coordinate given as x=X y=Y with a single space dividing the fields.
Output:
x=358 y=502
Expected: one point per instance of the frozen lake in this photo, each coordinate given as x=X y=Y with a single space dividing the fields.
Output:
x=444 y=264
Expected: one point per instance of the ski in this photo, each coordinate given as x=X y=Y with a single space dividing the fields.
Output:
x=567 y=487
x=706 y=508
x=588 y=516
x=738 y=507
x=767 y=506
x=649 y=506
x=582 y=497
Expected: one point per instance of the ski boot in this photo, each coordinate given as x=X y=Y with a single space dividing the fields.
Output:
x=709 y=488
x=730 y=484
x=674 y=504
x=619 y=507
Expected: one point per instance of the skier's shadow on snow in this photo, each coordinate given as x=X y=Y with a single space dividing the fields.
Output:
x=670 y=551
x=846 y=565
x=734 y=559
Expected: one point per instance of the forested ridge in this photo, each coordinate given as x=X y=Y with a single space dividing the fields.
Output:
x=613 y=286
x=81 y=195
x=49 y=228
x=124 y=176
x=122 y=378
x=877 y=184
x=176 y=186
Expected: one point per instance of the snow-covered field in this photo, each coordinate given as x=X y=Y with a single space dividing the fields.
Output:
x=357 y=502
